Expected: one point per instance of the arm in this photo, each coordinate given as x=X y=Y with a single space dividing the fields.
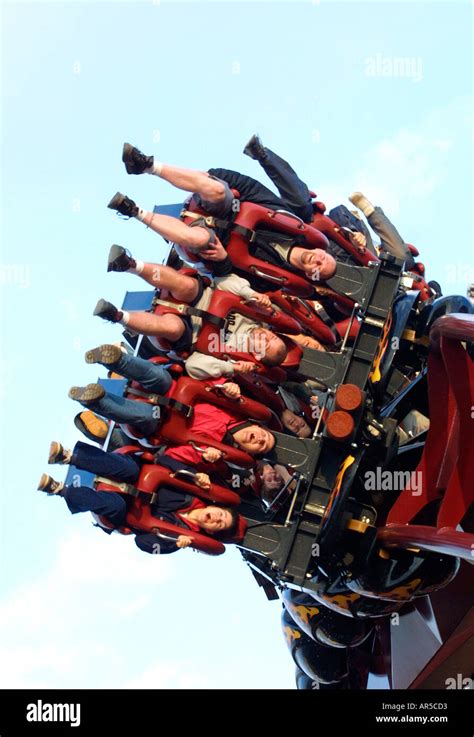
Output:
x=200 y=366
x=150 y=543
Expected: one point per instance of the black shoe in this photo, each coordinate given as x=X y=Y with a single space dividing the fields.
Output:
x=120 y=259
x=86 y=394
x=107 y=311
x=104 y=354
x=435 y=288
x=255 y=148
x=124 y=205
x=135 y=162
x=49 y=485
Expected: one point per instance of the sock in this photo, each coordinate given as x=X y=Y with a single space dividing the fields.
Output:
x=156 y=168
x=138 y=268
x=124 y=317
x=142 y=214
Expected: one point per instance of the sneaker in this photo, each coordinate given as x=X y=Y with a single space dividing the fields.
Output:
x=120 y=259
x=49 y=485
x=360 y=200
x=135 y=162
x=59 y=454
x=107 y=311
x=86 y=394
x=255 y=148
x=104 y=354
x=124 y=205
x=92 y=426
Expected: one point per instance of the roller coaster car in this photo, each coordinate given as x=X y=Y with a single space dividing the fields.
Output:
x=141 y=496
x=334 y=539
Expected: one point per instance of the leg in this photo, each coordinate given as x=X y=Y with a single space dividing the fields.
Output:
x=143 y=416
x=180 y=286
x=120 y=467
x=170 y=228
x=250 y=189
x=293 y=191
x=151 y=376
x=170 y=327
x=390 y=238
x=107 y=503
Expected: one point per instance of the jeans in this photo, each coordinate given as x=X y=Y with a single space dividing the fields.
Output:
x=152 y=377
x=143 y=416
x=390 y=239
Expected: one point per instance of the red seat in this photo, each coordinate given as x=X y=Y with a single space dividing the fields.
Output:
x=174 y=429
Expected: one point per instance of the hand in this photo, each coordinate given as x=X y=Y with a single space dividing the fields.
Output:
x=262 y=299
x=212 y=455
x=359 y=240
x=183 y=541
x=202 y=480
x=231 y=390
x=314 y=399
x=214 y=251
x=244 y=367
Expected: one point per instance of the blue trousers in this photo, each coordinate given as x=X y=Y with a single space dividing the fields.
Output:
x=143 y=416
x=84 y=499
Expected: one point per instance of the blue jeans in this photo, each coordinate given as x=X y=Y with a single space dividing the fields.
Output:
x=152 y=377
x=143 y=416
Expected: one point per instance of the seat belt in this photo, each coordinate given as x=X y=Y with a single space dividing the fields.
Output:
x=184 y=409
x=187 y=310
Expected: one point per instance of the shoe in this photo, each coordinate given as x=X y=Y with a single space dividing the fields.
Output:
x=135 y=162
x=92 y=426
x=49 y=485
x=361 y=201
x=435 y=288
x=255 y=148
x=59 y=454
x=107 y=311
x=120 y=259
x=86 y=394
x=104 y=354
x=124 y=205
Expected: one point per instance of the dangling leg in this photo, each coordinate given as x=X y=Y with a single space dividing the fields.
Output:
x=180 y=286
x=293 y=191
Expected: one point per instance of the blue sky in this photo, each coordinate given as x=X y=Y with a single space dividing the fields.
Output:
x=189 y=83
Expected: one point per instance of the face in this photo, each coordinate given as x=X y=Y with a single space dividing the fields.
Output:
x=316 y=263
x=271 y=479
x=295 y=423
x=213 y=519
x=254 y=439
x=266 y=343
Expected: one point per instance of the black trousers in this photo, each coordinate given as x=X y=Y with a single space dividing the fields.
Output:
x=294 y=194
